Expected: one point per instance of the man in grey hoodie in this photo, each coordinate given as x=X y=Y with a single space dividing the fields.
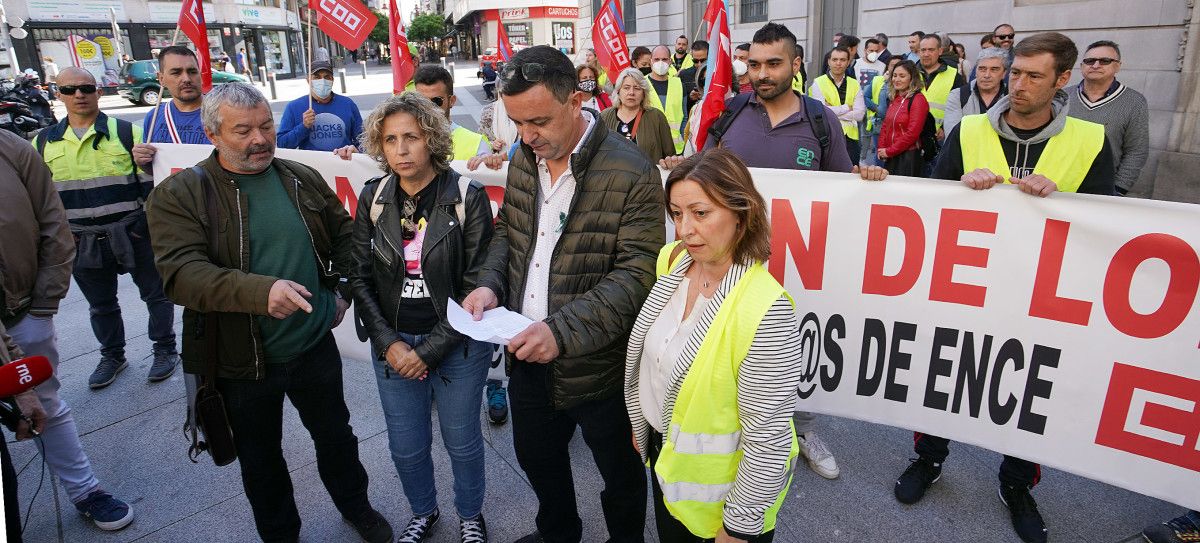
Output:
x=983 y=92
x=1028 y=140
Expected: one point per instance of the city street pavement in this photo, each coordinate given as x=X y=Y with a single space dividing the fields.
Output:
x=132 y=431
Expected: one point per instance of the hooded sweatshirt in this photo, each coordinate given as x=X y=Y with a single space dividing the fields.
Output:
x=1023 y=148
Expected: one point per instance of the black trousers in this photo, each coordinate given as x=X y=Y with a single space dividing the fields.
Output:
x=670 y=530
x=854 y=148
x=541 y=435
x=1013 y=471
x=313 y=383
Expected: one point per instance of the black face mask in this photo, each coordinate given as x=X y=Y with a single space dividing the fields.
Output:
x=645 y=70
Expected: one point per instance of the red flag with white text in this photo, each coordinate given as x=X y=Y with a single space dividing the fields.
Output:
x=608 y=39
x=348 y=22
x=191 y=23
x=720 y=72
x=402 y=62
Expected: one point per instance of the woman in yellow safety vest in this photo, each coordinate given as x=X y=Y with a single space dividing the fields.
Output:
x=713 y=363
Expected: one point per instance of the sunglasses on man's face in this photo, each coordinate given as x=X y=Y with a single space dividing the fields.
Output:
x=69 y=90
x=1103 y=61
x=438 y=101
x=1005 y=37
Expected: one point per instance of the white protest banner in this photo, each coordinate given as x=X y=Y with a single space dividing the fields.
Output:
x=1063 y=330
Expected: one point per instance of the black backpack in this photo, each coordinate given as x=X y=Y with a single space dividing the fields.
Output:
x=736 y=104
x=928 y=139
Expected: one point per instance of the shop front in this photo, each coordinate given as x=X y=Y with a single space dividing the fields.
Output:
x=539 y=25
x=270 y=39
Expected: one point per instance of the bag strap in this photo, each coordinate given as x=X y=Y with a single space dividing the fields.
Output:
x=637 y=121
x=376 y=205
x=816 y=114
x=964 y=95
x=460 y=209
x=40 y=142
x=211 y=332
x=732 y=109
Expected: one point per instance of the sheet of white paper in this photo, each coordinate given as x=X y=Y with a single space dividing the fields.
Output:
x=497 y=325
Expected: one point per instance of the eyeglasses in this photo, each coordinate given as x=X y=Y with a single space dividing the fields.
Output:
x=1105 y=61
x=531 y=71
x=1005 y=37
x=69 y=90
x=438 y=101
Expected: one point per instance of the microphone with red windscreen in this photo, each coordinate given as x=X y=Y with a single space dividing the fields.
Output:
x=17 y=377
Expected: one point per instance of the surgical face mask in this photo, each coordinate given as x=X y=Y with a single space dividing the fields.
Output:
x=739 y=68
x=645 y=70
x=587 y=86
x=322 y=88
x=872 y=56
x=660 y=68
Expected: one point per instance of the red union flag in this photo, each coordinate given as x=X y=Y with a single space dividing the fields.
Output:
x=503 y=46
x=402 y=64
x=348 y=22
x=608 y=37
x=720 y=72
x=191 y=23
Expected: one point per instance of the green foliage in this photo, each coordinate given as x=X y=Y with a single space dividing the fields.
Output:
x=426 y=26
x=379 y=34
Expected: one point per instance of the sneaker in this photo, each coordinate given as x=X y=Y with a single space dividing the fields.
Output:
x=920 y=475
x=1184 y=529
x=818 y=455
x=373 y=528
x=106 y=372
x=473 y=530
x=106 y=511
x=1026 y=520
x=497 y=399
x=535 y=537
x=419 y=528
x=164 y=365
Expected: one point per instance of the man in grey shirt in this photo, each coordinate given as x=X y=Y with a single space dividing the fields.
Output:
x=991 y=72
x=1100 y=98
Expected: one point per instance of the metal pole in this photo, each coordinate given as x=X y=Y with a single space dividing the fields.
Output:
x=363 y=65
x=7 y=40
x=342 y=77
x=272 y=80
x=262 y=74
x=443 y=62
x=119 y=43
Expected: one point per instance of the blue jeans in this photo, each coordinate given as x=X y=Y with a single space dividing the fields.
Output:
x=407 y=408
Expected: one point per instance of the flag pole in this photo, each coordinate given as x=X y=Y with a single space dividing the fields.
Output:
x=310 y=53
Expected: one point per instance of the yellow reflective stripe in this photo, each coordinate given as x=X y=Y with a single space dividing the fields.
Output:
x=688 y=443
x=685 y=491
x=93 y=212
x=93 y=183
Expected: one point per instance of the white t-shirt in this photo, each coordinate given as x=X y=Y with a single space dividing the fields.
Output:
x=665 y=340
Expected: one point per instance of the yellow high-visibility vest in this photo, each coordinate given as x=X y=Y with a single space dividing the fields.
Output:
x=830 y=94
x=939 y=92
x=673 y=109
x=876 y=87
x=466 y=143
x=1066 y=159
x=687 y=63
x=702 y=451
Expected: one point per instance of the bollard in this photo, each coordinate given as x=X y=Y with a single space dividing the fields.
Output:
x=443 y=62
x=363 y=65
x=272 y=81
x=342 y=77
x=451 y=68
x=262 y=74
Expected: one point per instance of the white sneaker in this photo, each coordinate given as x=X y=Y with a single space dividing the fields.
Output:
x=818 y=455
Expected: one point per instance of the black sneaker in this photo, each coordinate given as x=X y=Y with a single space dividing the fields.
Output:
x=473 y=530
x=920 y=475
x=497 y=399
x=373 y=528
x=164 y=365
x=535 y=537
x=106 y=372
x=107 y=512
x=1026 y=520
x=1183 y=529
x=419 y=528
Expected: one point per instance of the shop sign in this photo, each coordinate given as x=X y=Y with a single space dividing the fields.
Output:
x=564 y=37
x=76 y=10
x=518 y=33
x=514 y=13
x=255 y=15
x=564 y=13
x=168 y=12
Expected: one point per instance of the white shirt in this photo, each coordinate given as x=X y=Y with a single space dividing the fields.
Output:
x=664 y=342
x=552 y=219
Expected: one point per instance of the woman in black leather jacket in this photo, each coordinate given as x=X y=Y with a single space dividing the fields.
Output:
x=419 y=238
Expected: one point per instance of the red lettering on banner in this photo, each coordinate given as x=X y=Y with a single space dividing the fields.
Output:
x=884 y=218
x=345 y=194
x=1152 y=414
x=948 y=253
x=809 y=256
x=1181 y=290
x=173 y=170
x=1045 y=301
x=496 y=195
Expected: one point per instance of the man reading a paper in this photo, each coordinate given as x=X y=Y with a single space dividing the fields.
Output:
x=574 y=250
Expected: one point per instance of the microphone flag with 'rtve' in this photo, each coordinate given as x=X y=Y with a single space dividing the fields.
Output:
x=23 y=374
x=348 y=22
x=608 y=37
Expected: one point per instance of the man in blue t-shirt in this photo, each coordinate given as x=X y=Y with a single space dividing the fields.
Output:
x=330 y=123
x=178 y=120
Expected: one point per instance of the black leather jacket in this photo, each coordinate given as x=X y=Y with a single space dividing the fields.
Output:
x=451 y=257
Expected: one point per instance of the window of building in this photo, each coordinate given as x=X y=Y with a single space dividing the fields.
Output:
x=752 y=11
x=628 y=11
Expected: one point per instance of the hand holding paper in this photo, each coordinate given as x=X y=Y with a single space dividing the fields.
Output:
x=498 y=325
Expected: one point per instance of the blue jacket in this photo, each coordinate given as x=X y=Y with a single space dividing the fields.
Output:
x=338 y=124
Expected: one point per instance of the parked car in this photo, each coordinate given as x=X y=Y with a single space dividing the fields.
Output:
x=139 y=81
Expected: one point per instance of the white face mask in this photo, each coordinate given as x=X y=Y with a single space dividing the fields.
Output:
x=739 y=68
x=872 y=56
x=660 y=67
x=322 y=88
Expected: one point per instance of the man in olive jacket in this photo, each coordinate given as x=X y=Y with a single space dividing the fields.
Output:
x=574 y=250
x=270 y=285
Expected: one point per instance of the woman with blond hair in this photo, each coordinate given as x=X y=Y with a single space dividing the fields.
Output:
x=634 y=117
x=423 y=217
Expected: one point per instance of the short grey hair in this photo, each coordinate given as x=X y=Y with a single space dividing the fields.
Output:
x=993 y=52
x=638 y=78
x=430 y=118
x=237 y=94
